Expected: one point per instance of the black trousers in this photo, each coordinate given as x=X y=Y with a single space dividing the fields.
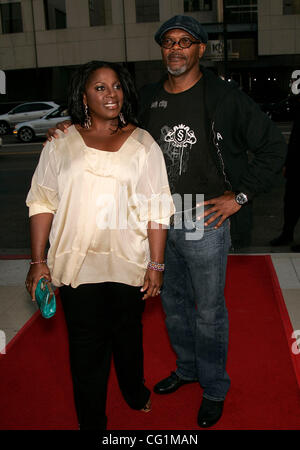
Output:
x=104 y=319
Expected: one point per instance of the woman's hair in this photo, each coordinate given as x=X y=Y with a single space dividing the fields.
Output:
x=77 y=89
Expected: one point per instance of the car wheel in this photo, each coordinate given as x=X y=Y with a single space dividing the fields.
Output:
x=25 y=134
x=4 y=128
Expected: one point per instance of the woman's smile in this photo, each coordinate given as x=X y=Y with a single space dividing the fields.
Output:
x=111 y=105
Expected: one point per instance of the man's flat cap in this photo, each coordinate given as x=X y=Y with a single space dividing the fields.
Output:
x=186 y=23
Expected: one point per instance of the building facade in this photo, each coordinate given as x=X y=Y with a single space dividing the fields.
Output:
x=41 y=41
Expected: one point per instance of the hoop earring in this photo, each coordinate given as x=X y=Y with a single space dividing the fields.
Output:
x=122 y=118
x=88 y=121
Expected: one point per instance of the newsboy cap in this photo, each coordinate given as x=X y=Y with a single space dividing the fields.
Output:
x=186 y=23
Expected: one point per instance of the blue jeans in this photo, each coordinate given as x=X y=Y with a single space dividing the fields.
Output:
x=194 y=304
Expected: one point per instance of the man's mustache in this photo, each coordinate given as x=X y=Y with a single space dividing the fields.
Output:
x=175 y=55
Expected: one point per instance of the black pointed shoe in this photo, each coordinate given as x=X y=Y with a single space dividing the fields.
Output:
x=170 y=384
x=210 y=412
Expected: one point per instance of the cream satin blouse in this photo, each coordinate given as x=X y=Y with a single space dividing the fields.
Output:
x=102 y=202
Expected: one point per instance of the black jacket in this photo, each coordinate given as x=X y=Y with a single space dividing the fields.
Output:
x=247 y=147
x=293 y=155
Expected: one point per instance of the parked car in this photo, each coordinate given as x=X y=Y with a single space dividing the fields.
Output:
x=25 y=111
x=27 y=131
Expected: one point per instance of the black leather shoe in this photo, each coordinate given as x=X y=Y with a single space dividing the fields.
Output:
x=209 y=413
x=170 y=384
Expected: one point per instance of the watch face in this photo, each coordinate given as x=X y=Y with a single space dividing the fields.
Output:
x=241 y=198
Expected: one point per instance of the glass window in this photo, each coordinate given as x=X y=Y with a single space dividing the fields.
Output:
x=59 y=112
x=19 y=109
x=291 y=6
x=11 y=17
x=197 y=5
x=40 y=107
x=100 y=12
x=240 y=11
x=55 y=14
x=29 y=107
x=147 y=10
x=33 y=107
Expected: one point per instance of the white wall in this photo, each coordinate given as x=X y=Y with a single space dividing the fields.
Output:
x=79 y=42
x=277 y=33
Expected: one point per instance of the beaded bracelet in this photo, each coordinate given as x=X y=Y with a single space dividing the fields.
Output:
x=38 y=262
x=156 y=266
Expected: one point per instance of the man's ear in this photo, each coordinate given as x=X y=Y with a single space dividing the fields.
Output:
x=202 y=48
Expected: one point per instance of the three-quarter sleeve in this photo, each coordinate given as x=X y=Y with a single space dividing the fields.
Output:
x=156 y=203
x=43 y=194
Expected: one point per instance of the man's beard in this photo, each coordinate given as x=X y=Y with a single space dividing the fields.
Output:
x=180 y=70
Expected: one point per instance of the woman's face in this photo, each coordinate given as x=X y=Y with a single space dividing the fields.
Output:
x=104 y=94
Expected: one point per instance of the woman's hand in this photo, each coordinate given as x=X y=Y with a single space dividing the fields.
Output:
x=152 y=283
x=35 y=273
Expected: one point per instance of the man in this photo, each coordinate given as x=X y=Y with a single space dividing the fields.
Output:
x=205 y=127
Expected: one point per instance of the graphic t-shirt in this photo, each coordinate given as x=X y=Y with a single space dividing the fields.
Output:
x=176 y=121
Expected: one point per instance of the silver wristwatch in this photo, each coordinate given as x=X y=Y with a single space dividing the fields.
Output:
x=241 y=198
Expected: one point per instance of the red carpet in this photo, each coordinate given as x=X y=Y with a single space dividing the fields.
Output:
x=36 y=390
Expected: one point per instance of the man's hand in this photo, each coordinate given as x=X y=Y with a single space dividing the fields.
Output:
x=152 y=283
x=62 y=126
x=223 y=207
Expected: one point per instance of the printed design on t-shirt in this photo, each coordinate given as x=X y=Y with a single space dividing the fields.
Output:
x=161 y=104
x=176 y=144
x=181 y=136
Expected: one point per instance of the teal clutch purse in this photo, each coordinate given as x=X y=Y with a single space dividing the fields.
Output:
x=45 y=298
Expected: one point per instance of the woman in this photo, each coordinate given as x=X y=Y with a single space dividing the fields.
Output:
x=101 y=195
